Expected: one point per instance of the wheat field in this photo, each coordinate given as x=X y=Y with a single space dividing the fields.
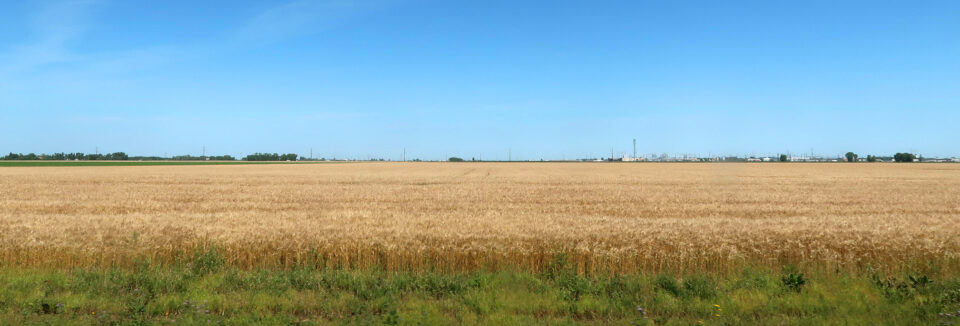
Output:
x=608 y=218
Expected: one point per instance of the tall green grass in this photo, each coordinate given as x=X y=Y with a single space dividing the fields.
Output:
x=204 y=291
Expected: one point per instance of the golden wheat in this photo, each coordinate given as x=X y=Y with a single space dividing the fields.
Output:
x=467 y=216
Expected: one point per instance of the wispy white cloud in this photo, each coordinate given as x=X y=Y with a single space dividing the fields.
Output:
x=58 y=25
x=303 y=17
x=54 y=26
x=51 y=62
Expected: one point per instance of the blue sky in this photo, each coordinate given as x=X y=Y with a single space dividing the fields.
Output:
x=545 y=79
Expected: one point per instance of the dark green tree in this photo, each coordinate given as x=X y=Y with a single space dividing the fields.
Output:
x=904 y=157
x=118 y=156
x=783 y=157
x=851 y=157
x=262 y=157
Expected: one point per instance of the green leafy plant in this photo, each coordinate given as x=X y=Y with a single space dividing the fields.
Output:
x=700 y=286
x=667 y=283
x=206 y=262
x=794 y=281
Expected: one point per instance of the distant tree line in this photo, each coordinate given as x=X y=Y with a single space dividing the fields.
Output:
x=904 y=157
x=898 y=157
x=118 y=156
x=270 y=157
x=202 y=158
x=853 y=157
x=121 y=156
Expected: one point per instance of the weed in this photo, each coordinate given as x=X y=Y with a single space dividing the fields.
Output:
x=206 y=262
x=793 y=281
x=700 y=287
x=667 y=283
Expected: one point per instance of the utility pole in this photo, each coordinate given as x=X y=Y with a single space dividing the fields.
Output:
x=634 y=148
x=204 y=152
x=509 y=154
x=96 y=150
x=311 y=153
x=404 y=156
